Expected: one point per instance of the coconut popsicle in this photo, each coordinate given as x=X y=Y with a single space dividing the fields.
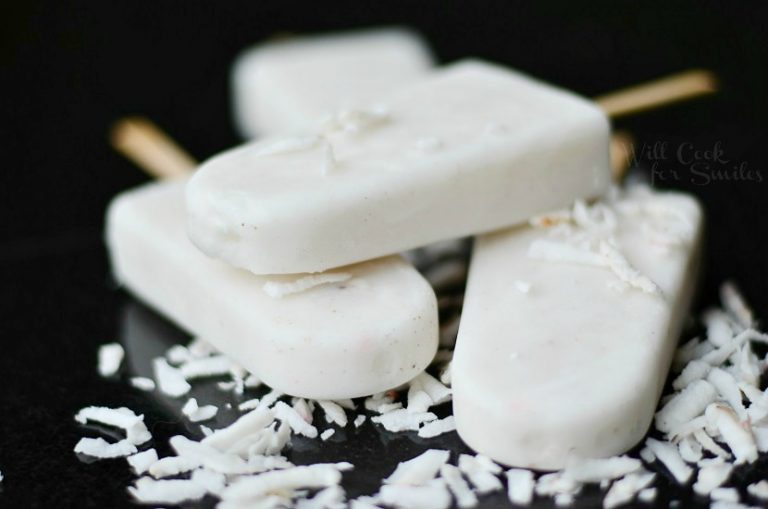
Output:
x=354 y=332
x=290 y=83
x=569 y=328
x=472 y=148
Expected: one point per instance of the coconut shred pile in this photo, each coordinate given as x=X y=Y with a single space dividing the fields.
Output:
x=713 y=420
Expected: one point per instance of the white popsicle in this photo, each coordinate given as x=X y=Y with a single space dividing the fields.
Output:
x=372 y=328
x=470 y=149
x=288 y=84
x=568 y=331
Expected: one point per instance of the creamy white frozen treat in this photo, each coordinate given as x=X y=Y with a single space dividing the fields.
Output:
x=352 y=332
x=569 y=328
x=473 y=148
x=290 y=83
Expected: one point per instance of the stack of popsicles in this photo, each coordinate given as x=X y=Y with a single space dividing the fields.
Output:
x=283 y=252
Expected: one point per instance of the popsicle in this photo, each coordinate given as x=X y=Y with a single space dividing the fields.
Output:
x=472 y=148
x=569 y=327
x=353 y=332
x=291 y=83
x=372 y=327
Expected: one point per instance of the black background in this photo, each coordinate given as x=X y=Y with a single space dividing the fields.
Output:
x=68 y=69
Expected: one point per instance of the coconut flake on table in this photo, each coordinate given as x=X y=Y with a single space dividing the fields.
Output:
x=420 y=469
x=304 y=408
x=142 y=383
x=172 y=466
x=556 y=484
x=197 y=413
x=725 y=495
x=479 y=474
x=437 y=392
x=170 y=380
x=670 y=458
x=110 y=357
x=403 y=420
x=173 y=491
x=141 y=461
x=252 y=488
x=245 y=426
x=686 y=405
x=738 y=438
x=710 y=445
x=712 y=474
x=270 y=398
x=693 y=371
x=647 y=495
x=728 y=389
x=359 y=420
x=280 y=289
x=520 y=486
x=334 y=413
x=759 y=489
x=209 y=457
x=690 y=450
x=213 y=482
x=136 y=431
x=625 y=489
x=101 y=449
x=433 y=495
x=438 y=427
x=461 y=491
x=328 y=498
x=295 y=420
x=325 y=435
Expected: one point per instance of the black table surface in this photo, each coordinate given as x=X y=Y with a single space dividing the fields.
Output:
x=70 y=68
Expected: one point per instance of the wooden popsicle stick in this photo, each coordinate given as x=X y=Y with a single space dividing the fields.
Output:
x=675 y=88
x=622 y=152
x=144 y=143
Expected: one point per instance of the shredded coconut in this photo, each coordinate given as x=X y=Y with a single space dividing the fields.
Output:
x=174 y=491
x=419 y=470
x=520 y=486
x=438 y=427
x=110 y=357
x=465 y=497
x=197 y=413
x=402 y=420
x=143 y=383
x=279 y=289
x=712 y=475
x=432 y=496
x=759 y=489
x=170 y=380
x=135 y=430
x=295 y=420
x=482 y=478
x=140 y=462
x=100 y=448
x=333 y=413
x=625 y=489
x=670 y=457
